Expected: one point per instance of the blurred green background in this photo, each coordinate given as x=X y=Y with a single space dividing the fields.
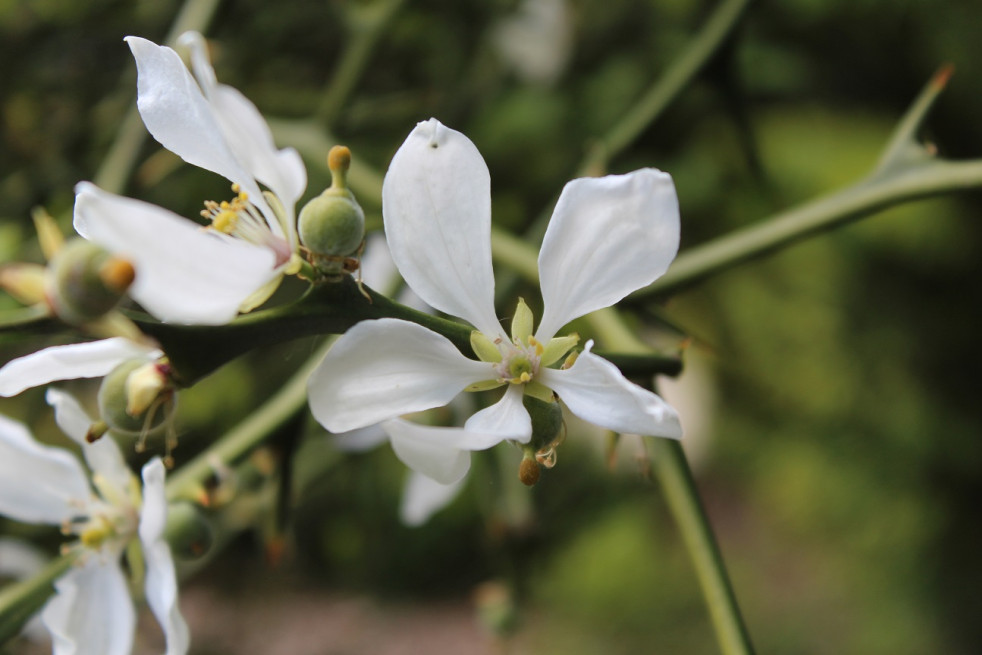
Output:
x=831 y=396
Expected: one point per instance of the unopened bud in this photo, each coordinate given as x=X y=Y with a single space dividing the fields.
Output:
x=332 y=225
x=547 y=421
x=188 y=531
x=85 y=281
x=135 y=397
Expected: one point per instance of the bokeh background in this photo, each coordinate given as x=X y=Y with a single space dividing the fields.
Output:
x=830 y=395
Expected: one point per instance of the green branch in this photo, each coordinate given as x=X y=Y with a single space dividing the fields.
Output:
x=332 y=308
x=683 y=69
x=20 y=601
x=907 y=170
x=679 y=489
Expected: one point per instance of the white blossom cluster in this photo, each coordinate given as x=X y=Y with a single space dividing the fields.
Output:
x=607 y=237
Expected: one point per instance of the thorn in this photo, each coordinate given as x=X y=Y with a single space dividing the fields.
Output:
x=940 y=79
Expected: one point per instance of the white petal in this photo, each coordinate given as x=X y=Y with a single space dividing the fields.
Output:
x=184 y=274
x=422 y=497
x=377 y=268
x=92 y=613
x=38 y=484
x=507 y=418
x=360 y=440
x=179 y=117
x=437 y=452
x=161 y=587
x=246 y=131
x=596 y=391
x=608 y=237
x=78 y=360
x=436 y=204
x=103 y=456
x=382 y=369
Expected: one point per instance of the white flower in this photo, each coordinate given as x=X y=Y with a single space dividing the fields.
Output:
x=92 y=612
x=186 y=274
x=608 y=237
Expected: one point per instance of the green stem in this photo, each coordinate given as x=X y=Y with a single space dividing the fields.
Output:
x=907 y=170
x=20 y=601
x=679 y=74
x=920 y=180
x=679 y=489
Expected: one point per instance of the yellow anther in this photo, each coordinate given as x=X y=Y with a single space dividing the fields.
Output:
x=236 y=188
x=225 y=221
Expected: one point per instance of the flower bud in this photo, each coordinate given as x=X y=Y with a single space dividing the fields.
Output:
x=134 y=397
x=332 y=225
x=547 y=421
x=85 y=281
x=188 y=531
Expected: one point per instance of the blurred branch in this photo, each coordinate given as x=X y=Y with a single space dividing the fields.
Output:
x=907 y=170
x=240 y=441
x=679 y=74
x=120 y=160
x=367 y=24
x=313 y=142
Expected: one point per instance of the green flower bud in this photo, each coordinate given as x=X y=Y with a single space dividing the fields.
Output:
x=188 y=531
x=332 y=225
x=85 y=281
x=547 y=433
x=135 y=398
x=547 y=421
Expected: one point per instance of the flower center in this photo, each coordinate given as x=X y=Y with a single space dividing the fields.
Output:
x=241 y=219
x=519 y=362
x=237 y=217
x=112 y=517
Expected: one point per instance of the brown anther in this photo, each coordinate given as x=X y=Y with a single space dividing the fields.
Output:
x=528 y=471
x=96 y=431
x=117 y=274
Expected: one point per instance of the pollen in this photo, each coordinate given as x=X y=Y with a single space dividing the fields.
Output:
x=237 y=217
x=225 y=221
